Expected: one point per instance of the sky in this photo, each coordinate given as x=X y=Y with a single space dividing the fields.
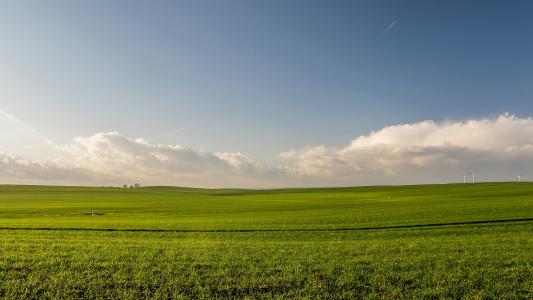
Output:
x=265 y=93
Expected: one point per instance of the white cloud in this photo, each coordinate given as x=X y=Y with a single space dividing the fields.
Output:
x=121 y=158
x=112 y=159
x=497 y=148
x=486 y=134
x=17 y=170
x=427 y=151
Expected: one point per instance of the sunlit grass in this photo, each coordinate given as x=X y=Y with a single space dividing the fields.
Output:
x=492 y=260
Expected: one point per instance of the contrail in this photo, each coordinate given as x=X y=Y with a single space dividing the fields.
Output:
x=26 y=126
x=389 y=27
x=176 y=130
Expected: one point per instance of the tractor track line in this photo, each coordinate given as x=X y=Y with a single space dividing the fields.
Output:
x=272 y=230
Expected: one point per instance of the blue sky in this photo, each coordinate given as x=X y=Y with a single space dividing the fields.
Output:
x=256 y=77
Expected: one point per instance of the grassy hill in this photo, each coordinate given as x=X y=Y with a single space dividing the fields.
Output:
x=456 y=240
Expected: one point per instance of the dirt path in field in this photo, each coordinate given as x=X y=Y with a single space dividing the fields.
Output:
x=275 y=230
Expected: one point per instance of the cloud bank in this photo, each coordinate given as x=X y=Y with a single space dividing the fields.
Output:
x=112 y=156
x=498 y=149
x=425 y=152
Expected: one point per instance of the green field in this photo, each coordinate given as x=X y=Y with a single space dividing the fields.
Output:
x=427 y=241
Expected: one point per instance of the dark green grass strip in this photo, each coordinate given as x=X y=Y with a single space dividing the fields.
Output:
x=273 y=230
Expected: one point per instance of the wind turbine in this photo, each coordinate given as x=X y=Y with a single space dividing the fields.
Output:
x=473 y=173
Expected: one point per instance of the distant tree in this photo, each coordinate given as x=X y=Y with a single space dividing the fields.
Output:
x=137 y=185
x=125 y=186
x=131 y=186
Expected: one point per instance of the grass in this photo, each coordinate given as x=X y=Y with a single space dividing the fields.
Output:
x=268 y=244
